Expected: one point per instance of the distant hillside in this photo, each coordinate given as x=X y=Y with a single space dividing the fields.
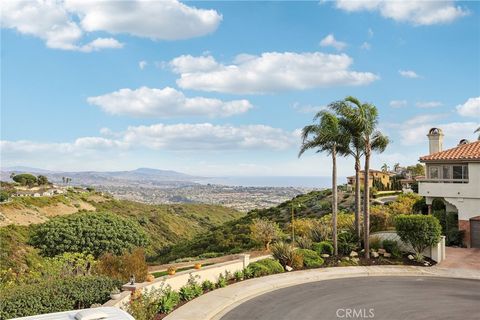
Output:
x=233 y=236
x=140 y=176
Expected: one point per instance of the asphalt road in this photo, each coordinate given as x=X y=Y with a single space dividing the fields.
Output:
x=388 y=298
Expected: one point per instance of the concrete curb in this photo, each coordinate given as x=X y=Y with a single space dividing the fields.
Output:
x=215 y=304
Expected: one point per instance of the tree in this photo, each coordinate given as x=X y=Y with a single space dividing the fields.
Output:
x=385 y=167
x=42 y=180
x=327 y=136
x=416 y=170
x=89 y=232
x=477 y=131
x=264 y=232
x=396 y=167
x=25 y=179
x=364 y=121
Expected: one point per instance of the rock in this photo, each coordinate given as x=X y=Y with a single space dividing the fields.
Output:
x=381 y=251
x=356 y=260
x=426 y=263
x=353 y=254
x=346 y=258
x=375 y=254
x=410 y=257
x=324 y=255
x=387 y=255
x=288 y=268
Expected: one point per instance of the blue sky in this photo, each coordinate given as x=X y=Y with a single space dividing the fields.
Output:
x=222 y=88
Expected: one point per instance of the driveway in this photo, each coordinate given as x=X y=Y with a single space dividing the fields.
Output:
x=461 y=258
x=367 y=298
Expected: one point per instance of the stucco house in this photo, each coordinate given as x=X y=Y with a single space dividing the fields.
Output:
x=453 y=175
x=384 y=177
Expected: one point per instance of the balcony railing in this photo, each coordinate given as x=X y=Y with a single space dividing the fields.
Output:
x=443 y=180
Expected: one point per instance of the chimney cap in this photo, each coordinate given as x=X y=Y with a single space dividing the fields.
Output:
x=435 y=132
x=463 y=141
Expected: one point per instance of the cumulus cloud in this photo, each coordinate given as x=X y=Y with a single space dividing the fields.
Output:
x=398 y=103
x=308 y=108
x=62 y=24
x=166 y=102
x=270 y=72
x=428 y=104
x=414 y=12
x=414 y=130
x=408 y=74
x=177 y=137
x=471 y=108
x=330 y=41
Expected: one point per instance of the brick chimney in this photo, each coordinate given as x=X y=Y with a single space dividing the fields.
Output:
x=435 y=138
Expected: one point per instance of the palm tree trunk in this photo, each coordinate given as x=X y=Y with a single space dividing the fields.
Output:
x=357 y=197
x=334 y=200
x=366 y=204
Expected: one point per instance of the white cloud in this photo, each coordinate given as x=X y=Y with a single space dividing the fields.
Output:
x=428 y=104
x=370 y=33
x=270 y=72
x=62 y=24
x=414 y=130
x=142 y=64
x=398 y=103
x=414 y=12
x=471 y=108
x=308 y=108
x=408 y=74
x=330 y=41
x=365 y=46
x=166 y=102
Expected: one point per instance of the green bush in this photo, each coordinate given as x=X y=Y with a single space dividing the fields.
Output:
x=347 y=242
x=263 y=268
x=449 y=223
x=208 y=285
x=304 y=242
x=238 y=275
x=168 y=301
x=311 y=259
x=375 y=242
x=222 y=281
x=88 y=232
x=248 y=273
x=55 y=296
x=124 y=266
x=419 y=231
x=191 y=290
x=323 y=247
x=25 y=179
x=284 y=253
x=392 y=247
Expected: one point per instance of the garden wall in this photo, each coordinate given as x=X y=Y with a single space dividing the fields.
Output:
x=436 y=253
x=180 y=279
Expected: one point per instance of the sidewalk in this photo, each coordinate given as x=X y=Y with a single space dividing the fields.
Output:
x=461 y=258
x=217 y=303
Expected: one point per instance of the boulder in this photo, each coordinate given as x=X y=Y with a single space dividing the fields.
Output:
x=356 y=260
x=346 y=258
x=387 y=255
x=288 y=268
x=410 y=257
x=324 y=255
x=375 y=254
x=381 y=251
x=353 y=254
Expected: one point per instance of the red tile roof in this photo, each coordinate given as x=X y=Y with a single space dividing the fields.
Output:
x=464 y=152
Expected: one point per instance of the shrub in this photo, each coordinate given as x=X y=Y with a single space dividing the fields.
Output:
x=168 y=301
x=208 y=285
x=379 y=218
x=321 y=231
x=25 y=179
x=88 y=232
x=419 y=231
x=264 y=232
x=209 y=255
x=124 y=266
x=375 y=242
x=392 y=247
x=146 y=305
x=304 y=242
x=248 y=273
x=238 y=275
x=311 y=259
x=263 y=268
x=323 y=247
x=347 y=242
x=191 y=290
x=55 y=296
x=303 y=227
x=222 y=281
x=284 y=253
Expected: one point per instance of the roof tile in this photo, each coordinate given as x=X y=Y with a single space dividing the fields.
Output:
x=469 y=151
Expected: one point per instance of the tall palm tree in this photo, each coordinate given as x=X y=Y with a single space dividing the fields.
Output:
x=327 y=136
x=385 y=167
x=347 y=118
x=373 y=140
x=477 y=131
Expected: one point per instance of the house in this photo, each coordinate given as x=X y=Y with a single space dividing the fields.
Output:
x=383 y=177
x=453 y=175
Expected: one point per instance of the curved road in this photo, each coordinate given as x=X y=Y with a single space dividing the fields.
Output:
x=387 y=298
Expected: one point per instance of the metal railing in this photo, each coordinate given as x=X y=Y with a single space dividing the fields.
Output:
x=444 y=180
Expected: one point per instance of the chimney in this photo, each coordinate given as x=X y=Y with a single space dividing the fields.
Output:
x=435 y=138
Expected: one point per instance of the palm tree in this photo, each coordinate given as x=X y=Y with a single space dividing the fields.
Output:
x=327 y=136
x=477 y=131
x=385 y=167
x=347 y=116
x=363 y=121
x=396 y=167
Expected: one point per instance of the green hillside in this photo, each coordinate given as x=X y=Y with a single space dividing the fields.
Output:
x=234 y=236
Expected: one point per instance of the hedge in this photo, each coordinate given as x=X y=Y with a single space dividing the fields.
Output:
x=55 y=296
x=311 y=259
x=324 y=247
x=264 y=267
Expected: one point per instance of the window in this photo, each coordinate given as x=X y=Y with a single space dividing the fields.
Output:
x=434 y=172
x=447 y=172
x=460 y=172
